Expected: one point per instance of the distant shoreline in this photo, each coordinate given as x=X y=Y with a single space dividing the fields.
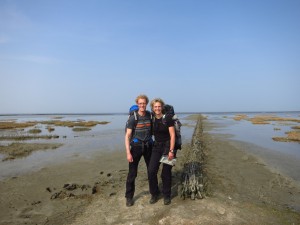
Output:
x=120 y=113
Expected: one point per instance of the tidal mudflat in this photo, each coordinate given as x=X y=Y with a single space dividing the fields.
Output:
x=83 y=180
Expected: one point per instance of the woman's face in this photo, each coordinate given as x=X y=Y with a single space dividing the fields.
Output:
x=157 y=109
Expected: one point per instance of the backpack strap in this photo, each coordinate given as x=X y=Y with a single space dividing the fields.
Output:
x=164 y=119
x=135 y=115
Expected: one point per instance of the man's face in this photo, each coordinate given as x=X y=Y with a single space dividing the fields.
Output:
x=142 y=104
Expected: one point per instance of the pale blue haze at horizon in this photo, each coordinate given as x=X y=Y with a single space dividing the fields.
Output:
x=200 y=56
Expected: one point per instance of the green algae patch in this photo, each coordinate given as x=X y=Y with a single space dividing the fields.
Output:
x=27 y=137
x=74 y=123
x=19 y=150
x=292 y=136
x=35 y=131
x=15 y=125
x=267 y=119
x=239 y=117
x=50 y=129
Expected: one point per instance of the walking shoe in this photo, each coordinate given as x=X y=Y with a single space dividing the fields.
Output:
x=167 y=201
x=154 y=198
x=129 y=202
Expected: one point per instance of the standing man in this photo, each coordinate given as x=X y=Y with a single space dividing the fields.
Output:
x=138 y=143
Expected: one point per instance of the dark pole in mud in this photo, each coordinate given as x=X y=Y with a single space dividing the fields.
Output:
x=192 y=179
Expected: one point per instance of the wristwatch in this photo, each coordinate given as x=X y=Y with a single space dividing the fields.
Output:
x=171 y=150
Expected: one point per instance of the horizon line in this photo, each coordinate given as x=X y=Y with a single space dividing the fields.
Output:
x=114 y=113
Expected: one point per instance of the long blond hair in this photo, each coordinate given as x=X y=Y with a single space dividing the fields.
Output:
x=155 y=101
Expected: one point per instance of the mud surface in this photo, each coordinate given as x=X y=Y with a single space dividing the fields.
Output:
x=19 y=150
x=240 y=190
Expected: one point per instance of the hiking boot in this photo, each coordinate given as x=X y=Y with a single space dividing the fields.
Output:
x=154 y=198
x=129 y=202
x=167 y=201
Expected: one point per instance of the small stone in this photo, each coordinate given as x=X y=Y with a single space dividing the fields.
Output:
x=221 y=210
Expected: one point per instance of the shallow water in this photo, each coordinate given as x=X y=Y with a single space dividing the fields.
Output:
x=282 y=156
x=84 y=144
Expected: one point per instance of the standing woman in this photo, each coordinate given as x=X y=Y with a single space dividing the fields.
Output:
x=164 y=135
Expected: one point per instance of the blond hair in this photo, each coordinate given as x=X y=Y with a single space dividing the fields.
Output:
x=157 y=100
x=142 y=96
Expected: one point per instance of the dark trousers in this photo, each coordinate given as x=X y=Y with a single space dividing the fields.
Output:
x=137 y=151
x=166 y=174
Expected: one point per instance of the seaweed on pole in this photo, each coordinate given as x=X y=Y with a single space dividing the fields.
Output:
x=192 y=179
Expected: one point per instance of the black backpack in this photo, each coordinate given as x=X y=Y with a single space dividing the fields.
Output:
x=169 y=111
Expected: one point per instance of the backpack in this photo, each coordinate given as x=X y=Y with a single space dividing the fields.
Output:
x=133 y=110
x=169 y=110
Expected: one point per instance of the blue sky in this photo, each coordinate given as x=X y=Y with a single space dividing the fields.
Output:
x=200 y=56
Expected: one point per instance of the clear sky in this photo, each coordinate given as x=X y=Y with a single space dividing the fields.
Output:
x=96 y=56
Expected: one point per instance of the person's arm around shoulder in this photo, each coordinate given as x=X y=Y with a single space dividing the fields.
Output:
x=127 y=144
